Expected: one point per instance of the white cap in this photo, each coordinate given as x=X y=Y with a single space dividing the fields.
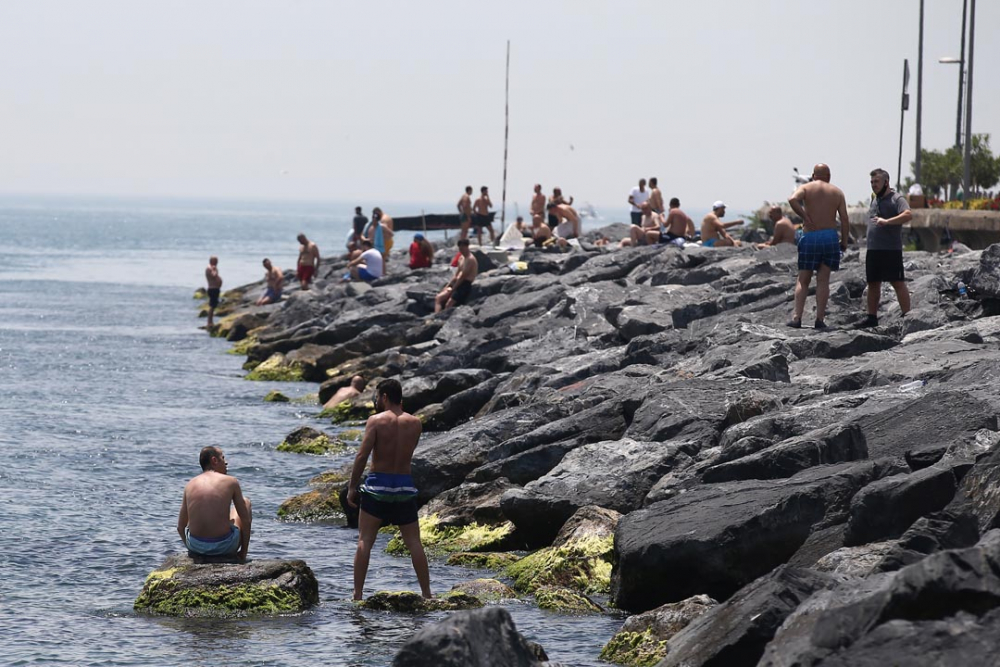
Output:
x=718 y=204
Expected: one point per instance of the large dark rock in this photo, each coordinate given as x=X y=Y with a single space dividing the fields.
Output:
x=469 y=503
x=716 y=538
x=952 y=528
x=479 y=638
x=423 y=390
x=179 y=587
x=981 y=488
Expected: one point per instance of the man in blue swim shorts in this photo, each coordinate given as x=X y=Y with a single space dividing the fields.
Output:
x=215 y=515
x=387 y=494
x=818 y=203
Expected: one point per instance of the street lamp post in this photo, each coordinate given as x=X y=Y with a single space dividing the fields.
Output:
x=967 y=162
x=920 y=92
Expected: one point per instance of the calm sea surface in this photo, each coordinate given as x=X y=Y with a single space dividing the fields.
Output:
x=108 y=390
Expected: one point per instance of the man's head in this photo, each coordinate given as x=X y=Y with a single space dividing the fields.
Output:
x=267 y=264
x=376 y=213
x=302 y=238
x=367 y=244
x=775 y=213
x=536 y=220
x=652 y=182
x=879 y=181
x=538 y=188
x=357 y=210
x=520 y=220
x=358 y=382
x=212 y=458
x=557 y=192
x=213 y=260
x=463 y=247
x=719 y=208
x=642 y=183
x=468 y=189
x=484 y=189
x=675 y=202
x=646 y=208
x=821 y=172
x=387 y=393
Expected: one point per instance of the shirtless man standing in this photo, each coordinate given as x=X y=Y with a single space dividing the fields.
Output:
x=387 y=493
x=784 y=230
x=346 y=393
x=563 y=218
x=308 y=261
x=214 y=281
x=537 y=202
x=275 y=282
x=465 y=211
x=713 y=230
x=456 y=292
x=215 y=515
x=679 y=225
x=818 y=203
x=481 y=215
x=655 y=196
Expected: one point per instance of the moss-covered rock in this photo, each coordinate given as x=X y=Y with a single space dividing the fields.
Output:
x=224 y=325
x=583 y=565
x=552 y=598
x=305 y=440
x=321 y=504
x=201 y=293
x=306 y=399
x=438 y=539
x=275 y=369
x=487 y=561
x=635 y=649
x=346 y=411
x=275 y=396
x=351 y=434
x=487 y=590
x=331 y=477
x=242 y=347
x=411 y=603
x=179 y=587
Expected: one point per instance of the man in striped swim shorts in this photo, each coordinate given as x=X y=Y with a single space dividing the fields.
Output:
x=818 y=203
x=387 y=494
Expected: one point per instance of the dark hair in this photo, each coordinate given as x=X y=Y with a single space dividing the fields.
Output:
x=675 y=202
x=463 y=242
x=366 y=242
x=357 y=209
x=391 y=389
x=652 y=181
x=468 y=188
x=205 y=458
x=483 y=189
x=880 y=172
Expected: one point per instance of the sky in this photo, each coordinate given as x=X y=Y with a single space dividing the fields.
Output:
x=382 y=102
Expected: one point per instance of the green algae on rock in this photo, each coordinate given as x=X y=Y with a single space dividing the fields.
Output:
x=305 y=440
x=487 y=590
x=410 y=602
x=331 y=477
x=347 y=411
x=439 y=539
x=179 y=587
x=275 y=396
x=635 y=649
x=316 y=505
x=483 y=560
x=275 y=370
x=583 y=565
x=553 y=598
x=351 y=434
x=241 y=347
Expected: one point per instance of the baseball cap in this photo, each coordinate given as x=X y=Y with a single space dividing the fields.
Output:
x=718 y=204
x=418 y=236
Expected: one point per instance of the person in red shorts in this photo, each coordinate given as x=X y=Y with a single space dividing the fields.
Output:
x=308 y=261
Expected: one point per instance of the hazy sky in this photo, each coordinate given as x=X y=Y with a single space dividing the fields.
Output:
x=378 y=102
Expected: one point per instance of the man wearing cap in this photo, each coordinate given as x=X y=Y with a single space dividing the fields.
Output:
x=421 y=252
x=818 y=203
x=713 y=230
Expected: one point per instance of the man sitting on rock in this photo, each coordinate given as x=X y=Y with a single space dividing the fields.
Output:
x=387 y=494
x=346 y=393
x=456 y=292
x=215 y=517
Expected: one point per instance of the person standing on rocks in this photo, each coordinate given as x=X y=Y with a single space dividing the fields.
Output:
x=214 y=281
x=387 y=494
x=308 y=261
x=481 y=216
x=537 y=202
x=456 y=292
x=887 y=214
x=360 y=222
x=818 y=203
x=655 y=196
x=215 y=515
x=637 y=197
x=275 y=282
x=465 y=212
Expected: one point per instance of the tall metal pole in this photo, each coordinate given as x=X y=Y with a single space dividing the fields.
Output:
x=506 y=134
x=967 y=162
x=920 y=91
x=902 y=111
x=961 y=78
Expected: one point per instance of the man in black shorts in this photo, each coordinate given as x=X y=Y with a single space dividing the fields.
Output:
x=887 y=214
x=456 y=292
x=214 y=281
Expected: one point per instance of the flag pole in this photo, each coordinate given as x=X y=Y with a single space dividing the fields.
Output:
x=506 y=135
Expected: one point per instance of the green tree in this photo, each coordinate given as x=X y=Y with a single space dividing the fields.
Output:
x=984 y=167
x=944 y=170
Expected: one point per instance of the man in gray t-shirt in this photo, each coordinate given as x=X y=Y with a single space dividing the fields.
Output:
x=887 y=214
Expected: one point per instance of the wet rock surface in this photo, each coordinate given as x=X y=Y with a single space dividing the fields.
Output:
x=712 y=450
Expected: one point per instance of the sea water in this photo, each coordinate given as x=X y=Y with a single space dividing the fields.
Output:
x=108 y=390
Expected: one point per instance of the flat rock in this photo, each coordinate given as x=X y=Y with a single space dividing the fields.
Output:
x=643 y=637
x=479 y=638
x=179 y=587
x=409 y=602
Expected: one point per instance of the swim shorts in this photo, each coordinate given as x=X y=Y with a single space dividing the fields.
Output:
x=389 y=497
x=819 y=247
x=213 y=297
x=213 y=546
x=884 y=266
x=364 y=275
x=461 y=293
x=480 y=221
x=708 y=243
x=273 y=295
x=305 y=273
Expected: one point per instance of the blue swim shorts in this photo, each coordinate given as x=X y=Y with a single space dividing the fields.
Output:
x=271 y=294
x=708 y=243
x=364 y=275
x=214 y=546
x=819 y=247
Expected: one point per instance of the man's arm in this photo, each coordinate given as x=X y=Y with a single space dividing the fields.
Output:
x=245 y=519
x=631 y=200
x=182 y=517
x=316 y=255
x=727 y=225
x=845 y=222
x=795 y=201
x=367 y=444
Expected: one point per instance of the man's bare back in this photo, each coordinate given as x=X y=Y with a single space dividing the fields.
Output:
x=212 y=504
x=465 y=206
x=822 y=201
x=678 y=223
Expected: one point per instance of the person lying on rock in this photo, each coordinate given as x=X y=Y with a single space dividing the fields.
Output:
x=456 y=292
x=346 y=393
x=215 y=515
x=387 y=493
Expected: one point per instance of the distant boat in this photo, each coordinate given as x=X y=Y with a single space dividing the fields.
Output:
x=430 y=222
x=588 y=211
